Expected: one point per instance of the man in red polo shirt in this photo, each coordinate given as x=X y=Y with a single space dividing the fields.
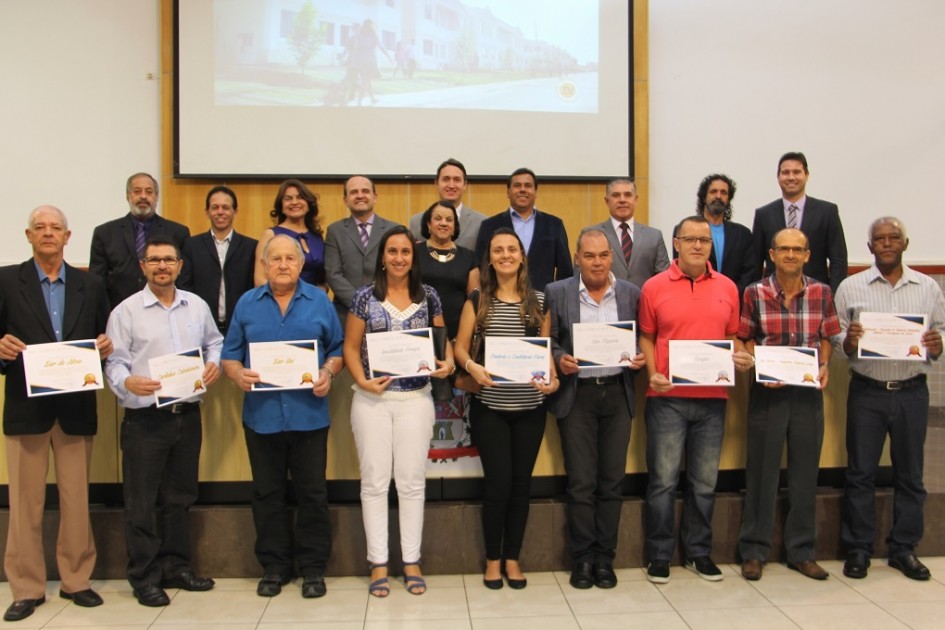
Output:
x=690 y=300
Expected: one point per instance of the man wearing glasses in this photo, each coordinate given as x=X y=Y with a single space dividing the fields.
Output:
x=690 y=300
x=160 y=445
x=786 y=308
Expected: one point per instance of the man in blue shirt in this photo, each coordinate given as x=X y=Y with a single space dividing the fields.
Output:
x=287 y=430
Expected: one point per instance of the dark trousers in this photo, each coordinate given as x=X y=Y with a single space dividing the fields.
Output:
x=794 y=415
x=160 y=454
x=508 y=444
x=273 y=457
x=872 y=413
x=594 y=438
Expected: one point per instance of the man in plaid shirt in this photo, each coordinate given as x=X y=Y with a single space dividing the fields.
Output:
x=786 y=308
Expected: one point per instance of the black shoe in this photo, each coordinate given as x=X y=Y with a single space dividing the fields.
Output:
x=493 y=584
x=658 y=572
x=582 y=576
x=856 y=565
x=910 y=566
x=87 y=598
x=516 y=583
x=188 y=581
x=704 y=568
x=271 y=584
x=314 y=586
x=604 y=576
x=22 y=608
x=152 y=595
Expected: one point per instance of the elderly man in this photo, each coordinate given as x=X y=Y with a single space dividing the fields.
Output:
x=690 y=300
x=594 y=407
x=45 y=300
x=887 y=397
x=785 y=309
x=287 y=431
x=118 y=245
x=351 y=243
x=639 y=251
x=450 y=185
x=160 y=445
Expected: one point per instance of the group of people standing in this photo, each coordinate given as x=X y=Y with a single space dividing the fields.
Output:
x=509 y=275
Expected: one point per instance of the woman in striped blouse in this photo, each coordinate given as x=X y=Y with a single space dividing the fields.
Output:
x=508 y=421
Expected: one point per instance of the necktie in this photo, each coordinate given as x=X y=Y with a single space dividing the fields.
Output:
x=626 y=243
x=140 y=238
x=792 y=216
x=364 y=234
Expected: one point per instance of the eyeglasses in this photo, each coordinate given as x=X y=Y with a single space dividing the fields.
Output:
x=784 y=249
x=692 y=240
x=154 y=261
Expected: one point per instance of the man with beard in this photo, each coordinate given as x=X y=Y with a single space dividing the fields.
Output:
x=118 y=245
x=733 y=250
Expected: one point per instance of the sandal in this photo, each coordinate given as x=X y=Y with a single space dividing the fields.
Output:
x=381 y=586
x=415 y=584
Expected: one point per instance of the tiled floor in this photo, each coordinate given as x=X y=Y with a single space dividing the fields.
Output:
x=782 y=599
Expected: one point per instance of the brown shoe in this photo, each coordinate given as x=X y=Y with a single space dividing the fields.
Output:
x=752 y=569
x=810 y=569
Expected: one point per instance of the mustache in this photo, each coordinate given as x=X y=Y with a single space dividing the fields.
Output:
x=718 y=207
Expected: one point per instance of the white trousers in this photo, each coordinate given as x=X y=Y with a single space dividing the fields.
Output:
x=392 y=436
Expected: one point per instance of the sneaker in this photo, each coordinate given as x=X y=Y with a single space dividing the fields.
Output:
x=658 y=572
x=704 y=568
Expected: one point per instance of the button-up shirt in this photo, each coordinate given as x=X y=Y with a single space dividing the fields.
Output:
x=768 y=321
x=142 y=328
x=524 y=227
x=592 y=312
x=54 y=294
x=914 y=293
x=223 y=245
x=256 y=318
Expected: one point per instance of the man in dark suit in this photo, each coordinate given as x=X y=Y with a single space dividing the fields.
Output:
x=450 y=185
x=219 y=264
x=542 y=234
x=819 y=220
x=351 y=243
x=639 y=251
x=733 y=249
x=118 y=245
x=594 y=407
x=44 y=300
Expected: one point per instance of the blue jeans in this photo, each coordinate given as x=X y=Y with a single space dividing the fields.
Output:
x=678 y=428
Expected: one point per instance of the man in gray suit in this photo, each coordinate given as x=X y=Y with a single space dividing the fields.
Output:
x=639 y=251
x=594 y=407
x=351 y=243
x=450 y=186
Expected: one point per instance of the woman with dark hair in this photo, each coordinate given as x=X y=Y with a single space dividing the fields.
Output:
x=508 y=421
x=295 y=214
x=392 y=420
x=445 y=266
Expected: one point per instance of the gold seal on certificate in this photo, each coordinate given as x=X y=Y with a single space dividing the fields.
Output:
x=611 y=344
x=181 y=376
x=284 y=364
x=62 y=367
x=892 y=336
x=701 y=362
x=518 y=359
x=401 y=353
x=791 y=365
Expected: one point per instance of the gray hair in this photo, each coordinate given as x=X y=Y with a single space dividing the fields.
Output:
x=31 y=220
x=622 y=180
x=594 y=229
x=891 y=221
x=157 y=189
x=294 y=241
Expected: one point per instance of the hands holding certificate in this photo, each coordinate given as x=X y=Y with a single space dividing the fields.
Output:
x=147 y=386
x=11 y=347
x=892 y=336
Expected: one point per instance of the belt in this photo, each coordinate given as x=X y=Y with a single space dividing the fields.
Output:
x=891 y=386
x=174 y=408
x=600 y=380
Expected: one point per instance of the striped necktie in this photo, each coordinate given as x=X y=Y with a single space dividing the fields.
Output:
x=364 y=234
x=792 y=216
x=626 y=243
x=141 y=237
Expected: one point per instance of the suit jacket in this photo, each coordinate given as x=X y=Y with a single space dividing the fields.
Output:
x=548 y=256
x=821 y=224
x=201 y=272
x=114 y=257
x=348 y=266
x=23 y=313
x=469 y=223
x=740 y=263
x=564 y=310
x=648 y=257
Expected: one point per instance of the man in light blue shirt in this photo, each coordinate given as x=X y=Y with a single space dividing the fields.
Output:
x=160 y=445
x=287 y=430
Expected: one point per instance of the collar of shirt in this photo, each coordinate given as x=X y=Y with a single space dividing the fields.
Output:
x=225 y=239
x=60 y=275
x=145 y=222
x=300 y=292
x=368 y=222
x=776 y=288
x=675 y=273
x=630 y=224
x=800 y=203
x=151 y=300
x=908 y=276
x=459 y=210
x=517 y=217
x=585 y=295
